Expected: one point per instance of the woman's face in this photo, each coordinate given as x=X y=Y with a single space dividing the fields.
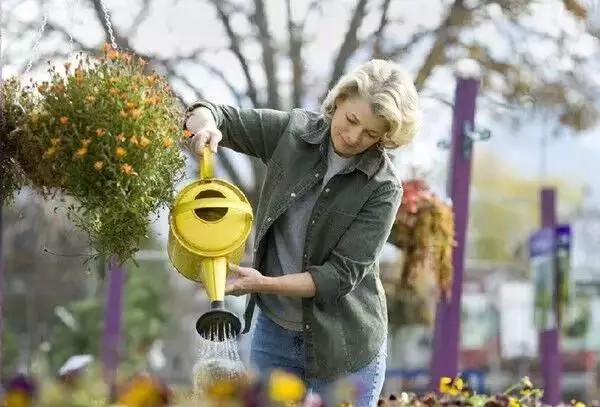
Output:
x=354 y=127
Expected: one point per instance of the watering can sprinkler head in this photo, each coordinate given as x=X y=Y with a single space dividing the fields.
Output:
x=218 y=324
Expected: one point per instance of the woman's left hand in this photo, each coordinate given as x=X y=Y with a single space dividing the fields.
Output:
x=246 y=280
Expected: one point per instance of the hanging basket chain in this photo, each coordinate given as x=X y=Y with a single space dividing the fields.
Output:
x=36 y=45
x=111 y=34
x=71 y=10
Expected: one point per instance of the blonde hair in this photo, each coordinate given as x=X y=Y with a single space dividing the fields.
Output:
x=391 y=93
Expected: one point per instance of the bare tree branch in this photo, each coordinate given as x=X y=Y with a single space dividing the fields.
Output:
x=235 y=48
x=239 y=98
x=350 y=43
x=268 y=53
x=295 y=53
x=383 y=22
x=122 y=42
x=401 y=50
x=446 y=35
x=139 y=18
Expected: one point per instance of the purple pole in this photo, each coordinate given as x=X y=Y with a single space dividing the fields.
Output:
x=2 y=128
x=549 y=345
x=446 y=339
x=111 y=338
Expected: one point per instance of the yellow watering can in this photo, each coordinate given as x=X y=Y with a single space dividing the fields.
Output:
x=209 y=223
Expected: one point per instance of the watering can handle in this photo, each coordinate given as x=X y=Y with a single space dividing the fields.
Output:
x=206 y=163
x=213 y=203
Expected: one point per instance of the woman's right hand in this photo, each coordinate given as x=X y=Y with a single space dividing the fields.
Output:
x=202 y=125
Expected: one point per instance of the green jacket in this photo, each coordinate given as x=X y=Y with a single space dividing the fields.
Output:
x=345 y=323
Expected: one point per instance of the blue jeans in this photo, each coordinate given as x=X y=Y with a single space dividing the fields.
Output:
x=274 y=347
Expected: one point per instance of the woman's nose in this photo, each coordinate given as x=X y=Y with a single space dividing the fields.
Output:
x=353 y=136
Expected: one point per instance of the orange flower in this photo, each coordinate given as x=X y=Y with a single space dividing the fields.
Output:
x=141 y=61
x=144 y=141
x=120 y=152
x=81 y=152
x=64 y=120
x=100 y=132
x=187 y=133
x=106 y=48
x=136 y=113
x=113 y=55
x=85 y=142
x=98 y=165
x=50 y=152
x=131 y=105
x=90 y=99
x=123 y=114
x=167 y=142
x=121 y=137
x=127 y=169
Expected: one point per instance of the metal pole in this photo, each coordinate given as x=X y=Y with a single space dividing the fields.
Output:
x=2 y=129
x=446 y=341
x=551 y=364
x=111 y=339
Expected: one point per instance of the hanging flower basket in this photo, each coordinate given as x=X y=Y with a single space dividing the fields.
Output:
x=424 y=231
x=105 y=134
x=15 y=104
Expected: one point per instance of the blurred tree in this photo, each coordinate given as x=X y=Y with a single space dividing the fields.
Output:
x=43 y=257
x=10 y=352
x=505 y=207
x=274 y=53
x=78 y=326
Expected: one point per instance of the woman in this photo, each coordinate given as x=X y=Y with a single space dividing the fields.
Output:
x=326 y=208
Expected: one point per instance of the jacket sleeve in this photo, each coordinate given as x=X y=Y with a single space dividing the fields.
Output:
x=358 y=250
x=254 y=132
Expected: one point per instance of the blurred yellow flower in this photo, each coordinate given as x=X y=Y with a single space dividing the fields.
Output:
x=144 y=141
x=445 y=385
x=100 y=132
x=134 y=140
x=90 y=99
x=121 y=137
x=81 y=152
x=222 y=390
x=120 y=152
x=285 y=387
x=55 y=141
x=50 y=152
x=123 y=114
x=187 y=133
x=513 y=402
x=98 y=165
x=85 y=142
x=131 y=105
x=106 y=47
x=167 y=142
x=43 y=87
x=127 y=169
x=136 y=113
x=64 y=120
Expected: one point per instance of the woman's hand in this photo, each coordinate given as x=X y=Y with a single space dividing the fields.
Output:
x=246 y=281
x=202 y=124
